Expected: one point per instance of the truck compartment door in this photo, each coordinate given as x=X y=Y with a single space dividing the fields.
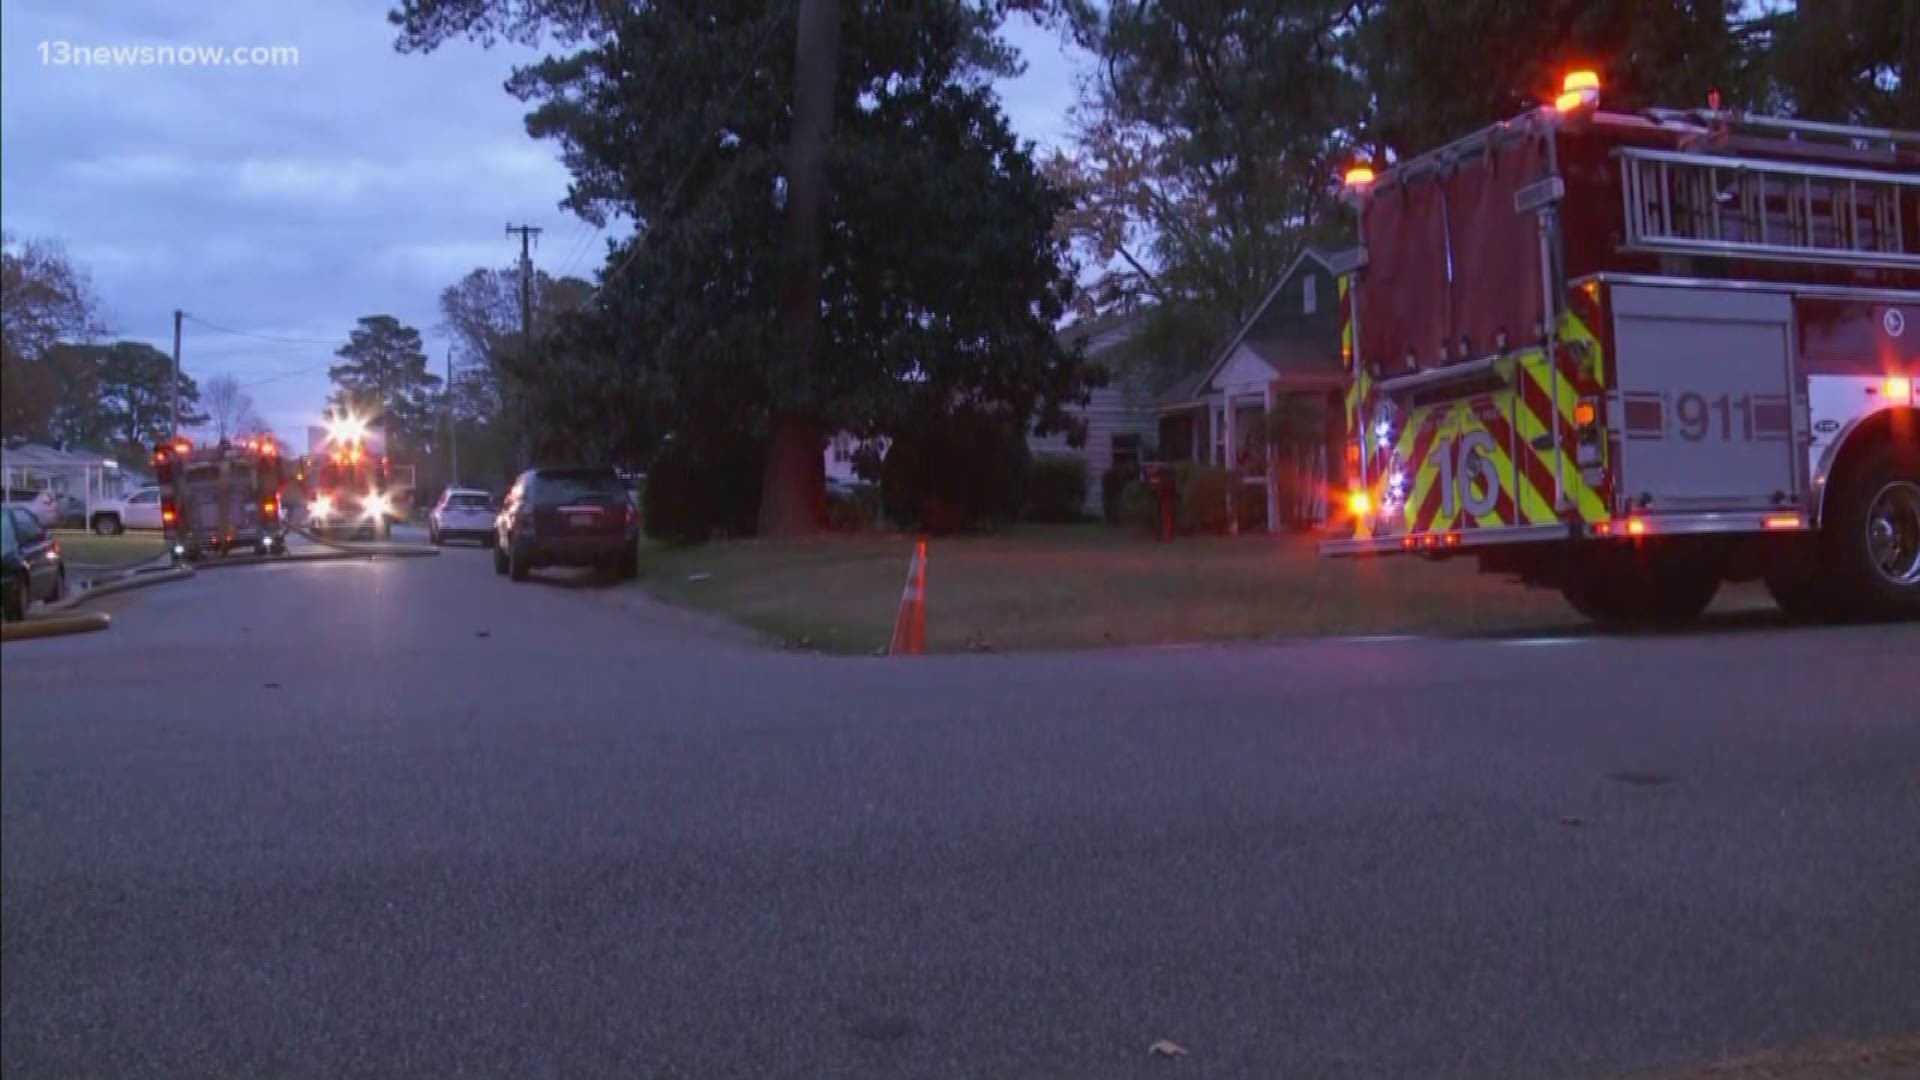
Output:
x=1703 y=399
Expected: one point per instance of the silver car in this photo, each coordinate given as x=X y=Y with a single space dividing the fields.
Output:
x=461 y=513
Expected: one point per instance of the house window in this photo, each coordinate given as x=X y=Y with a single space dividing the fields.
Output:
x=1309 y=295
x=1126 y=450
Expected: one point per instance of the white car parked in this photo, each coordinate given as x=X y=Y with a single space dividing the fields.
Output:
x=461 y=513
x=140 y=510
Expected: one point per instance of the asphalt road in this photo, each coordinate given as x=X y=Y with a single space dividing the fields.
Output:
x=405 y=818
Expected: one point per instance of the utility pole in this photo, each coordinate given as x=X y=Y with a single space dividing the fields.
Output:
x=527 y=233
x=174 y=390
x=793 y=491
x=453 y=430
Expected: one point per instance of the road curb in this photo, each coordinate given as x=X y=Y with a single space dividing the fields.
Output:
x=118 y=585
x=120 y=567
x=59 y=626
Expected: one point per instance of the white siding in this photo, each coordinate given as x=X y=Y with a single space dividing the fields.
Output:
x=1112 y=411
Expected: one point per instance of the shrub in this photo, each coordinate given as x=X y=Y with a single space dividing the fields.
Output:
x=1202 y=494
x=956 y=472
x=699 y=488
x=1113 y=488
x=1057 y=490
x=1251 y=504
x=854 y=508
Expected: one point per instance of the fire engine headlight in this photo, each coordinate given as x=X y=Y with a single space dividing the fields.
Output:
x=321 y=509
x=375 y=505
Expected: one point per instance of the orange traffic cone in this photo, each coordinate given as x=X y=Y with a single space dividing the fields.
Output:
x=910 y=627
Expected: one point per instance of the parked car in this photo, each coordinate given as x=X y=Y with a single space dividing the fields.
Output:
x=140 y=510
x=461 y=513
x=39 y=502
x=30 y=566
x=566 y=517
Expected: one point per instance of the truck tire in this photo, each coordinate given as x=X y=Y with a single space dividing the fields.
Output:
x=1870 y=542
x=107 y=525
x=13 y=601
x=1632 y=588
x=516 y=564
x=499 y=562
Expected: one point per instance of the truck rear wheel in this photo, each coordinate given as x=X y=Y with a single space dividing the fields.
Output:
x=1642 y=587
x=1870 y=542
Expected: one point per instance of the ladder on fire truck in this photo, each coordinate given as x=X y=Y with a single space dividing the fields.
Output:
x=1701 y=200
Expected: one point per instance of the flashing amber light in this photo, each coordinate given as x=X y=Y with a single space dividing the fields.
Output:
x=1579 y=90
x=1585 y=413
x=1781 y=521
x=1359 y=503
x=167 y=515
x=1897 y=388
x=181 y=446
x=1360 y=176
x=1636 y=527
x=270 y=506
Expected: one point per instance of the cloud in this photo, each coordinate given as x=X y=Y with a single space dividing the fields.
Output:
x=292 y=200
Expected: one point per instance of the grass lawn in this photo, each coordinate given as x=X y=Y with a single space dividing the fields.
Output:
x=1085 y=586
x=86 y=549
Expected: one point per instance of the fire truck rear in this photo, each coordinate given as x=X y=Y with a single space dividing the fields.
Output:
x=221 y=498
x=1633 y=356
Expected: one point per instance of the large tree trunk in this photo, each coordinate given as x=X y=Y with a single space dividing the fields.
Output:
x=793 y=496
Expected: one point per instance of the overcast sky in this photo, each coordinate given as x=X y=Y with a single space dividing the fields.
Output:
x=288 y=201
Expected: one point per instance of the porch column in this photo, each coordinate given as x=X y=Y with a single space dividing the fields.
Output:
x=1227 y=454
x=1273 y=460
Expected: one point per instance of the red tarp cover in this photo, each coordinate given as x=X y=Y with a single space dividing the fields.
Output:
x=1406 y=301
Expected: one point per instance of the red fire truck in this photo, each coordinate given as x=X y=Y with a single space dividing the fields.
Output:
x=348 y=480
x=220 y=498
x=1633 y=356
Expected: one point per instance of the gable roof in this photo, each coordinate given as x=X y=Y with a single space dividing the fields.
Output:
x=1213 y=369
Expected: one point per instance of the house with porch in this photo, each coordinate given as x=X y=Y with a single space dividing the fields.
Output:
x=1270 y=406
x=1119 y=417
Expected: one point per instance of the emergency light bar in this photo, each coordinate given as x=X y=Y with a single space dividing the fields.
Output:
x=1579 y=90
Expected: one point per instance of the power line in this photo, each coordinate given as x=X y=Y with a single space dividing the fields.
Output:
x=264 y=337
x=673 y=193
x=286 y=375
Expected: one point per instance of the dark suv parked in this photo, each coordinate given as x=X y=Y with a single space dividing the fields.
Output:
x=566 y=517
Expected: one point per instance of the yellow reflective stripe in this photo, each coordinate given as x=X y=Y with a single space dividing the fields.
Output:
x=1426 y=472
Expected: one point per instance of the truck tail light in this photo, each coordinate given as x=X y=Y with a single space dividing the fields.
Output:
x=1898 y=389
x=167 y=516
x=1586 y=431
x=1359 y=503
x=271 y=506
